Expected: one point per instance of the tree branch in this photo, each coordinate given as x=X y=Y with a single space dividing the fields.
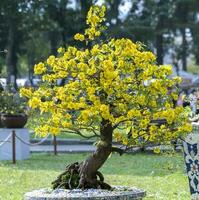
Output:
x=77 y=132
x=117 y=150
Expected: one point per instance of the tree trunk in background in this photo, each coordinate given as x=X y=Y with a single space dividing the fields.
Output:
x=31 y=62
x=159 y=48
x=85 y=6
x=182 y=11
x=195 y=36
x=54 y=42
x=159 y=40
x=11 y=57
x=197 y=58
x=114 y=11
x=184 y=49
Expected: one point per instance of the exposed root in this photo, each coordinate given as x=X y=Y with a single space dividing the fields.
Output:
x=70 y=179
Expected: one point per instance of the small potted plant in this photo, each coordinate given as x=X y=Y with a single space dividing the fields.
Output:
x=13 y=110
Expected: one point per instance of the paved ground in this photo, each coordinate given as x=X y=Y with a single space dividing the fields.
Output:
x=63 y=148
x=80 y=146
x=86 y=149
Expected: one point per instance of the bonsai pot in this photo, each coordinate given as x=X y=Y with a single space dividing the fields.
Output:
x=118 y=193
x=14 y=121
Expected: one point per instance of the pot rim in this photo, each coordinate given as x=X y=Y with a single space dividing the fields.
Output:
x=13 y=115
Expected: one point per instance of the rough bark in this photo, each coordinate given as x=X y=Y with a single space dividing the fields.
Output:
x=85 y=174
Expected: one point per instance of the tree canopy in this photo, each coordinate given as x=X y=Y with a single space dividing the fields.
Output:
x=115 y=82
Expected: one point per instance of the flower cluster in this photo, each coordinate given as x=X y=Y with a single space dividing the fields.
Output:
x=95 y=17
x=117 y=81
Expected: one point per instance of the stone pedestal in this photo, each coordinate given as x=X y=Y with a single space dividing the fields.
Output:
x=22 y=150
x=119 y=193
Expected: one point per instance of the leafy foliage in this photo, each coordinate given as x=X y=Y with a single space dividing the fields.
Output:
x=116 y=81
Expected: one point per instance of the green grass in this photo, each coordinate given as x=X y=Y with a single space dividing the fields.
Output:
x=162 y=176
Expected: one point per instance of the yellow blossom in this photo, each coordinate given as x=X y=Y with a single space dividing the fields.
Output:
x=79 y=37
x=39 y=68
x=34 y=102
x=156 y=150
x=26 y=92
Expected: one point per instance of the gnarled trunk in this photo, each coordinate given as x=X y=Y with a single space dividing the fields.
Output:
x=85 y=174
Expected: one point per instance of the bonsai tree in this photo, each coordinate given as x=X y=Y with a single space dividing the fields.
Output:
x=112 y=89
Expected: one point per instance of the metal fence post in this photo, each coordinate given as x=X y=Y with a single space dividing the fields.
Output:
x=13 y=147
x=55 y=144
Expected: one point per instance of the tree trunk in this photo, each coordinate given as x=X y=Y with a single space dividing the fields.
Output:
x=11 y=57
x=184 y=49
x=159 y=35
x=85 y=6
x=53 y=42
x=183 y=9
x=31 y=63
x=86 y=175
x=195 y=37
x=91 y=165
x=159 y=48
x=197 y=58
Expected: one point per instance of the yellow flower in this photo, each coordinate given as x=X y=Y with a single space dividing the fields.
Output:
x=125 y=141
x=79 y=37
x=54 y=130
x=66 y=124
x=39 y=68
x=61 y=50
x=174 y=95
x=51 y=60
x=34 y=102
x=187 y=128
x=85 y=114
x=177 y=79
x=42 y=130
x=26 y=92
x=156 y=150
x=117 y=136
x=62 y=74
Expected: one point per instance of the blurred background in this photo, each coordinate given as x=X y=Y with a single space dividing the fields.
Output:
x=31 y=30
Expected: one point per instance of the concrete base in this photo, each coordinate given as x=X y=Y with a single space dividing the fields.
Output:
x=22 y=150
x=119 y=193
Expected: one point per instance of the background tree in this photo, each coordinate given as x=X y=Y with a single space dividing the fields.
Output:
x=112 y=86
x=13 y=13
x=194 y=27
x=49 y=24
